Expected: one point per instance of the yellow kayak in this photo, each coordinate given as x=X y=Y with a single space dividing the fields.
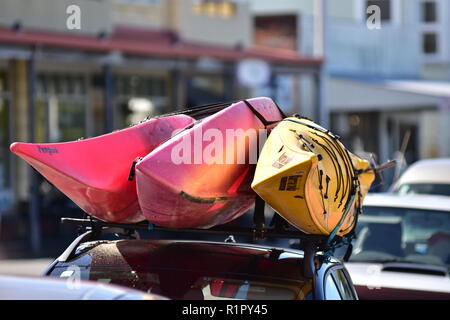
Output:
x=306 y=175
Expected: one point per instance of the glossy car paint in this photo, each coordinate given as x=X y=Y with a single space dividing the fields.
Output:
x=372 y=282
x=173 y=268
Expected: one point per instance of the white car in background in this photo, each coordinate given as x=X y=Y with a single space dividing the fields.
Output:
x=402 y=249
x=431 y=176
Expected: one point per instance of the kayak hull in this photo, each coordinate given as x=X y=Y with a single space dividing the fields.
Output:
x=181 y=184
x=94 y=172
x=306 y=175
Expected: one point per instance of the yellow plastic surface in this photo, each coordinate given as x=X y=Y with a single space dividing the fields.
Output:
x=307 y=176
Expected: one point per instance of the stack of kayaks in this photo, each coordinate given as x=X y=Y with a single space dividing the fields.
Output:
x=177 y=171
x=307 y=176
x=98 y=173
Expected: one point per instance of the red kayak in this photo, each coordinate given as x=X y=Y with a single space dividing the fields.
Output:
x=182 y=183
x=94 y=172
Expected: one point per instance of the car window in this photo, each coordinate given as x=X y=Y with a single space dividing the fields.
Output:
x=331 y=289
x=343 y=285
x=425 y=188
x=403 y=234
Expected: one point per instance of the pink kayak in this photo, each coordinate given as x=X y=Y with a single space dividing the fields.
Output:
x=183 y=183
x=94 y=172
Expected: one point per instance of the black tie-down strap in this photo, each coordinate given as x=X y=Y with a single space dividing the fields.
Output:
x=259 y=218
x=260 y=204
x=215 y=107
x=206 y=109
x=264 y=121
x=278 y=223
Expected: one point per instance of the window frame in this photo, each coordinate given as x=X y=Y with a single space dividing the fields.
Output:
x=423 y=11
x=436 y=27
x=423 y=41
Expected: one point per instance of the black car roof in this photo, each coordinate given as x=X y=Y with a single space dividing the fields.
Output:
x=99 y=247
x=202 y=257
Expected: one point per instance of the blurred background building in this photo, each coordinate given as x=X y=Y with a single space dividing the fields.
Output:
x=127 y=59
x=383 y=90
x=384 y=87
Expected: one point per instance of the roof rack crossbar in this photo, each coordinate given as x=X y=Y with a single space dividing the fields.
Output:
x=242 y=231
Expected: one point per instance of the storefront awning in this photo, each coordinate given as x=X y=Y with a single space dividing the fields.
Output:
x=149 y=43
x=365 y=95
x=429 y=88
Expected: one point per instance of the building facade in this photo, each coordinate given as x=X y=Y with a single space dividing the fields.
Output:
x=398 y=75
x=387 y=86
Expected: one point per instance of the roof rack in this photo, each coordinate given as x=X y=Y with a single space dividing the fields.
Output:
x=310 y=244
x=255 y=233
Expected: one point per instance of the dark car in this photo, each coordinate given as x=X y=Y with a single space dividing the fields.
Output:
x=202 y=270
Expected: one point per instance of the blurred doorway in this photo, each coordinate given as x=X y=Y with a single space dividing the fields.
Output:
x=399 y=137
x=402 y=135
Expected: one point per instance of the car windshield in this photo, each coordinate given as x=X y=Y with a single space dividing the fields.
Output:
x=425 y=188
x=404 y=235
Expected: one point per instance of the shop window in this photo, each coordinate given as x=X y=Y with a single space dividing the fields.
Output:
x=137 y=86
x=142 y=2
x=60 y=107
x=214 y=8
x=137 y=97
x=205 y=89
x=356 y=131
x=429 y=11
x=60 y=85
x=276 y=31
